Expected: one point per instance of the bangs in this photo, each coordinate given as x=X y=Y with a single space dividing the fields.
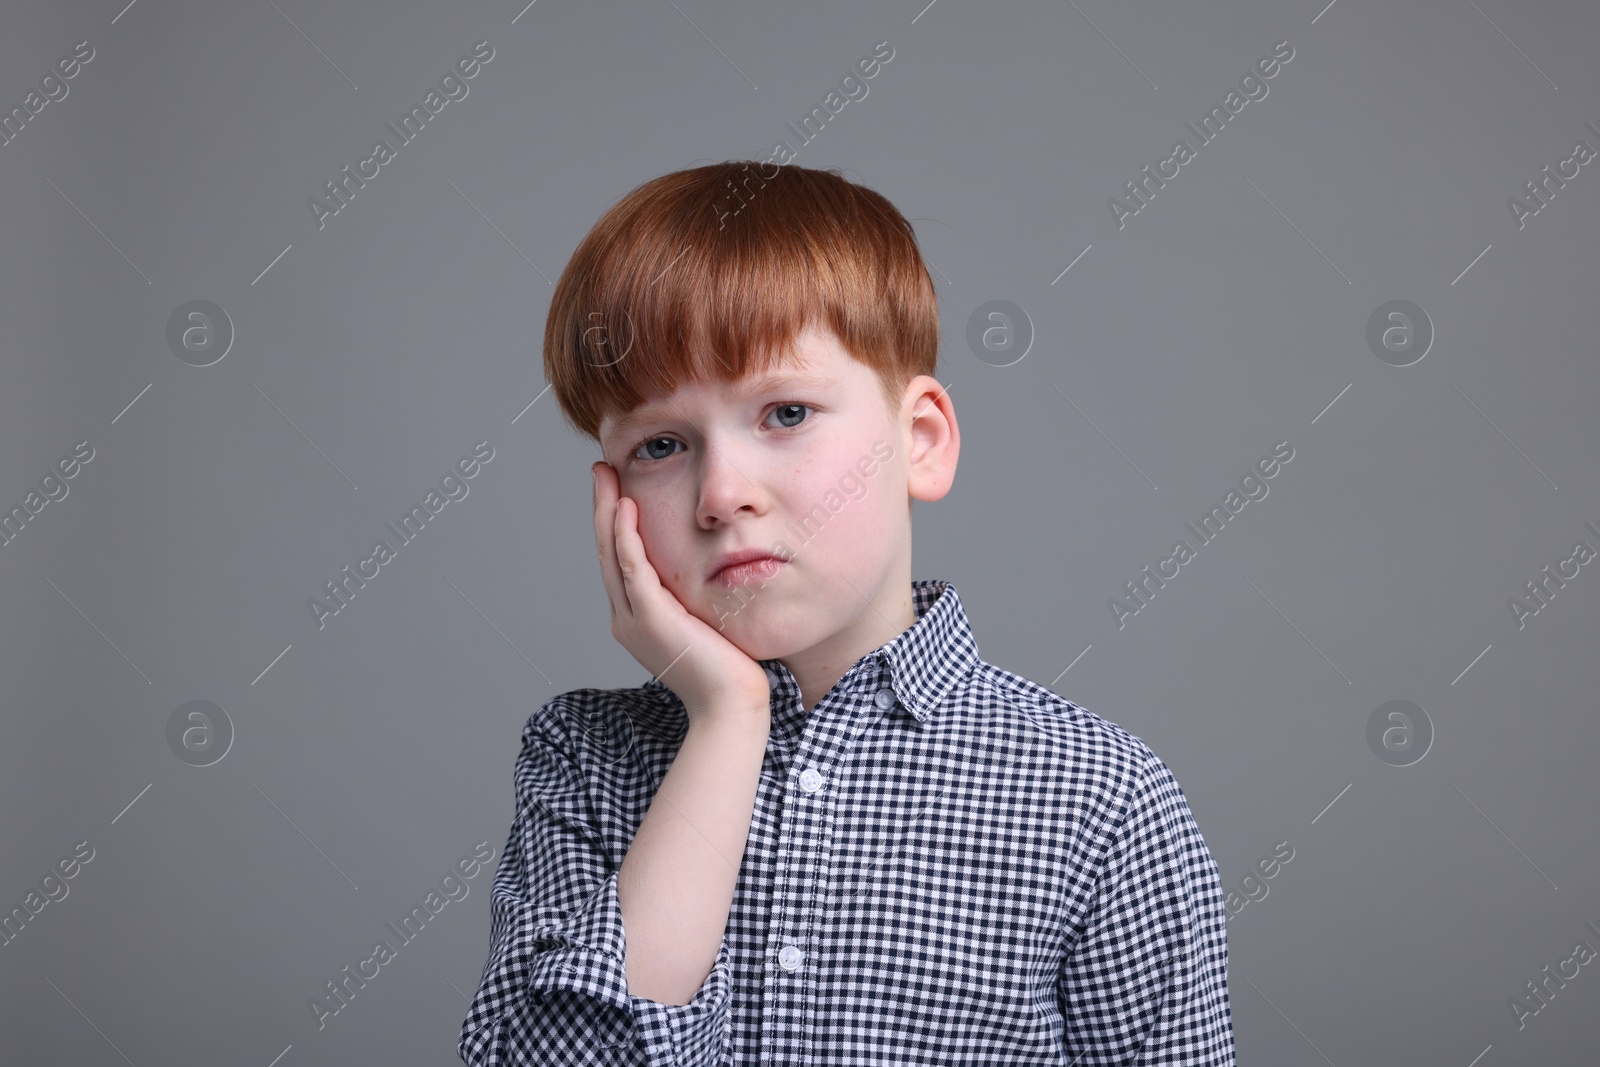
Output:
x=710 y=274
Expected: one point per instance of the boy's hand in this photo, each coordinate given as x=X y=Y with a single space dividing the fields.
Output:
x=710 y=674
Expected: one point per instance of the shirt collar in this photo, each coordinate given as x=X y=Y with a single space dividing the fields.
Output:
x=934 y=653
x=922 y=663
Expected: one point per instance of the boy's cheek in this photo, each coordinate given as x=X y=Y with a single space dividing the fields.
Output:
x=661 y=550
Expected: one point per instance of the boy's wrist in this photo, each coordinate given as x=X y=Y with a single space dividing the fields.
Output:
x=732 y=718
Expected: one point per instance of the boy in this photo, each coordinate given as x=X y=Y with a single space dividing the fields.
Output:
x=825 y=831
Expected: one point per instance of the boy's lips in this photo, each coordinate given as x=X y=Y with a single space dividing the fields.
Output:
x=734 y=568
x=737 y=574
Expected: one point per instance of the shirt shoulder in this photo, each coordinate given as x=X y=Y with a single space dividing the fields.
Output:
x=1073 y=721
x=578 y=713
x=1100 y=754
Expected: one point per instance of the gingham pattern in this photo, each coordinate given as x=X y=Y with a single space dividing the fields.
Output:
x=947 y=864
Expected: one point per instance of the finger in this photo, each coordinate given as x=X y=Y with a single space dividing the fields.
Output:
x=646 y=582
x=605 y=539
x=639 y=580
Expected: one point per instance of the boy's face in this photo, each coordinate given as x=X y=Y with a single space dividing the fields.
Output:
x=815 y=471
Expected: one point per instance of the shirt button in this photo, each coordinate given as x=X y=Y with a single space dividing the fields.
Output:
x=884 y=698
x=810 y=780
x=791 y=957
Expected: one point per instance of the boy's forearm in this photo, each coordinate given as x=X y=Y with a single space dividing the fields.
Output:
x=677 y=881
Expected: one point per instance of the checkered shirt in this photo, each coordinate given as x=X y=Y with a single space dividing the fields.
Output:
x=946 y=864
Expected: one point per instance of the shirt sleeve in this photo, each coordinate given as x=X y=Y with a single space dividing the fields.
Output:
x=1147 y=981
x=554 y=989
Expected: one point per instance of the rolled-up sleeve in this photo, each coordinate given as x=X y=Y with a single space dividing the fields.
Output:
x=554 y=989
x=1146 y=983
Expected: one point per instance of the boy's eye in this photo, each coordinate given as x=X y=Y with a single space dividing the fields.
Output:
x=790 y=409
x=654 y=441
x=785 y=413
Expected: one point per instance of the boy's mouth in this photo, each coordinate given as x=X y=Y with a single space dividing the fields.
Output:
x=736 y=568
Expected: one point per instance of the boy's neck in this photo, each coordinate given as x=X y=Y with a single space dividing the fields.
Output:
x=889 y=612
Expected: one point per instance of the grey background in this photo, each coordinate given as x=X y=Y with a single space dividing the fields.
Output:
x=1226 y=316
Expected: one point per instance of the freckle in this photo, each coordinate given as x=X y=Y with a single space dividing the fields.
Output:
x=676 y=575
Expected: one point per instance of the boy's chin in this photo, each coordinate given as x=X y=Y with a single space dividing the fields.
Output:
x=751 y=637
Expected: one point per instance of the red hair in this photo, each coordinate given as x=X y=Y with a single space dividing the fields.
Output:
x=710 y=274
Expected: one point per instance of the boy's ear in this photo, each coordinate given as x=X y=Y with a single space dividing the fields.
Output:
x=931 y=437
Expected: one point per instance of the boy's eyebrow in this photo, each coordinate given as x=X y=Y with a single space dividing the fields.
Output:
x=766 y=383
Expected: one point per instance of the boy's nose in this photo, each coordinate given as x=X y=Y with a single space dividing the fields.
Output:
x=725 y=490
